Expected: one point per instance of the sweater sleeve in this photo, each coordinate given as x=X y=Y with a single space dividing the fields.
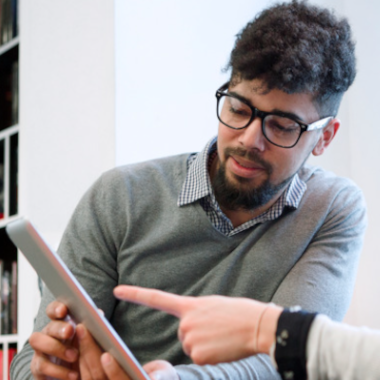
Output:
x=322 y=280
x=338 y=351
x=252 y=368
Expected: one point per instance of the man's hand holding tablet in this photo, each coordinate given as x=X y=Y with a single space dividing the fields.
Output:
x=62 y=352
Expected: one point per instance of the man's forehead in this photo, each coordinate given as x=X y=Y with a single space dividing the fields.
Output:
x=255 y=86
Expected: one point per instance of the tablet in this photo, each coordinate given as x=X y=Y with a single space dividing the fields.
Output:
x=66 y=288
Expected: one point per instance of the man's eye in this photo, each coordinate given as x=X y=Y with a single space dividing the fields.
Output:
x=239 y=111
x=284 y=128
x=281 y=127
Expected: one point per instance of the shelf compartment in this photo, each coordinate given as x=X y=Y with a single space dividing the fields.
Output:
x=8 y=172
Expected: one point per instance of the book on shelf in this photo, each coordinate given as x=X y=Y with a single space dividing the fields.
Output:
x=13 y=311
x=12 y=351
x=1 y=364
x=8 y=285
x=13 y=178
x=14 y=18
x=5 y=302
x=1 y=187
x=9 y=20
x=9 y=204
x=8 y=305
x=6 y=21
x=1 y=295
x=9 y=92
x=14 y=93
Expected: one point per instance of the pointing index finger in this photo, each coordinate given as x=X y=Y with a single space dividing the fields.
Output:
x=157 y=299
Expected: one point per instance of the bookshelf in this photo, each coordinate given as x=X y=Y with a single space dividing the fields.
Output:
x=9 y=143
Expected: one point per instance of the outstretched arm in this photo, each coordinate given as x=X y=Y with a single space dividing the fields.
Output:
x=213 y=329
x=217 y=329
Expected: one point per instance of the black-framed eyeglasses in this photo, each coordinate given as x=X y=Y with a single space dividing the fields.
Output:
x=279 y=128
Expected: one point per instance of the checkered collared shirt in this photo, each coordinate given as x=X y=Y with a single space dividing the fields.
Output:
x=197 y=187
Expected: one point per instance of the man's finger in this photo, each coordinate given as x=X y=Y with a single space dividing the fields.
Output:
x=157 y=299
x=56 y=310
x=112 y=368
x=49 y=346
x=59 y=329
x=90 y=353
x=43 y=368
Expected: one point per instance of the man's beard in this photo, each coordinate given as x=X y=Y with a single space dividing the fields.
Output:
x=239 y=196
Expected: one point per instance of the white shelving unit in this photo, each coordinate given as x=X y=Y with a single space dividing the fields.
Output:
x=9 y=185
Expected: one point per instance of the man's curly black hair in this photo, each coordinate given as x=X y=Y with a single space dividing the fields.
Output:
x=297 y=48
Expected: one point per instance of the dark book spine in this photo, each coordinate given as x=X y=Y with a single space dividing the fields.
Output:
x=1 y=180
x=12 y=351
x=14 y=23
x=5 y=290
x=14 y=298
x=4 y=21
x=14 y=92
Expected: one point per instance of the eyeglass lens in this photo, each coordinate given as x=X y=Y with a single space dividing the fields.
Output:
x=277 y=129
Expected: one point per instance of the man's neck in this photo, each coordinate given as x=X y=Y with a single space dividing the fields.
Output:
x=239 y=217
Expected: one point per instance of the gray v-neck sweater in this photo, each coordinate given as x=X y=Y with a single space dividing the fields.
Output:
x=128 y=229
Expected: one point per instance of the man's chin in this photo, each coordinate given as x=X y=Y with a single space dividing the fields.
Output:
x=245 y=183
x=240 y=193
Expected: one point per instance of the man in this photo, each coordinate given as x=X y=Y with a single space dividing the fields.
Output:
x=244 y=217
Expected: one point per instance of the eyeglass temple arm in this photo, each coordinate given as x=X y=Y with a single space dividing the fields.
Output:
x=319 y=124
x=224 y=87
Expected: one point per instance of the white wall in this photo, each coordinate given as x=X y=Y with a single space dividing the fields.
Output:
x=364 y=149
x=67 y=135
x=169 y=56
x=356 y=154
x=168 y=60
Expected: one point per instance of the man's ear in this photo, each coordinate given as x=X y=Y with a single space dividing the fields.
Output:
x=326 y=137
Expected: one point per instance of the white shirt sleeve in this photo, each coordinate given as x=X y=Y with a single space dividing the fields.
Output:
x=338 y=351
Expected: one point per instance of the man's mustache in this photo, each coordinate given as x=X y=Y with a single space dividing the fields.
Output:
x=250 y=155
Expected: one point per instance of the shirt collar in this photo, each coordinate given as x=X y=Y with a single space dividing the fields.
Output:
x=198 y=184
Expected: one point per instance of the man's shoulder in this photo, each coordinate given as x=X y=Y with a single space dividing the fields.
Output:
x=318 y=178
x=325 y=188
x=157 y=163
x=156 y=170
x=333 y=201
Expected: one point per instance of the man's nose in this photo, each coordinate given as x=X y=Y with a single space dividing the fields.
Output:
x=252 y=136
